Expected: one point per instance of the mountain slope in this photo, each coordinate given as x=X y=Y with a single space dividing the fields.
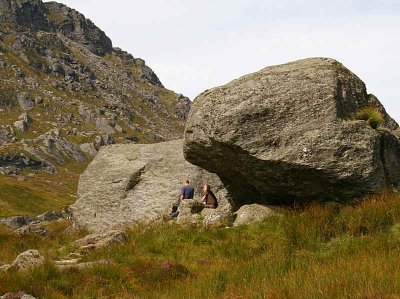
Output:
x=65 y=91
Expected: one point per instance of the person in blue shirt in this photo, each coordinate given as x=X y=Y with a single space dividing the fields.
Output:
x=186 y=192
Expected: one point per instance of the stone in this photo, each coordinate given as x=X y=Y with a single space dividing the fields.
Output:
x=127 y=184
x=189 y=213
x=49 y=216
x=38 y=101
x=21 y=125
x=81 y=266
x=182 y=107
x=287 y=134
x=88 y=148
x=221 y=216
x=119 y=129
x=104 y=125
x=113 y=237
x=31 y=229
x=3 y=137
x=26 y=261
x=26 y=118
x=16 y=221
x=25 y=102
x=254 y=213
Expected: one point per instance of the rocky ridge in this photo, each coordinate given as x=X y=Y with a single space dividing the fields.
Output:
x=60 y=73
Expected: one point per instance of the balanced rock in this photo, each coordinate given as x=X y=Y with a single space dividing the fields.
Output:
x=128 y=184
x=287 y=133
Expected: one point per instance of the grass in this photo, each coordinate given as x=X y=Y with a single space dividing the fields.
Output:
x=371 y=115
x=42 y=193
x=314 y=252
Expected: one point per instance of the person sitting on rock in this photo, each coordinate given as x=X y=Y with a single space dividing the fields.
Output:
x=186 y=192
x=209 y=200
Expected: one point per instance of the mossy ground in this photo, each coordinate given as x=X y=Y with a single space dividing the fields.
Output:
x=313 y=252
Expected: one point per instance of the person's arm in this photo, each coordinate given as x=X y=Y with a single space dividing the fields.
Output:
x=181 y=195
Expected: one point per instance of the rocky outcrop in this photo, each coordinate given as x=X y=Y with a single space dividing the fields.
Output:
x=64 y=70
x=26 y=261
x=25 y=101
x=96 y=241
x=286 y=133
x=75 y=26
x=249 y=214
x=17 y=222
x=129 y=184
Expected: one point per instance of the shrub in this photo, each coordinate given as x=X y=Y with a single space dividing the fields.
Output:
x=371 y=115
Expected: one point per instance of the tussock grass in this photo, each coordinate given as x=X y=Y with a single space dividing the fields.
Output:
x=314 y=252
x=372 y=115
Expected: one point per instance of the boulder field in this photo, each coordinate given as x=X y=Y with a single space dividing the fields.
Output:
x=288 y=134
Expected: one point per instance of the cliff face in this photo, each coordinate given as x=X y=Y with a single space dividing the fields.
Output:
x=65 y=91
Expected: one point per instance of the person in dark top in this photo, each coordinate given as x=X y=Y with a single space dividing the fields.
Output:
x=186 y=192
x=209 y=200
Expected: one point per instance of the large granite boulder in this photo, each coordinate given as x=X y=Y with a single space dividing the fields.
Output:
x=287 y=134
x=128 y=184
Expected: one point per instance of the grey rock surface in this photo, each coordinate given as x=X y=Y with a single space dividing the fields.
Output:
x=16 y=221
x=25 y=101
x=215 y=217
x=31 y=229
x=248 y=214
x=92 y=241
x=132 y=183
x=21 y=125
x=286 y=134
x=26 y=261
x=3 y=137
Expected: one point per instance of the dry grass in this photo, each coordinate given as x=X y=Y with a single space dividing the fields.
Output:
x=315 y=252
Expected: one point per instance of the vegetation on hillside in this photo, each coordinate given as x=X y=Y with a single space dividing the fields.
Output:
x=313 y=252
x=41 y=193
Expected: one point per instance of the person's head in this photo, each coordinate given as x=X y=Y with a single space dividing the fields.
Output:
x=186 y=182
x=206 y=189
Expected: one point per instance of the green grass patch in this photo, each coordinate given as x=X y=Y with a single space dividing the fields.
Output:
x=314 y=252
x=372 y=115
